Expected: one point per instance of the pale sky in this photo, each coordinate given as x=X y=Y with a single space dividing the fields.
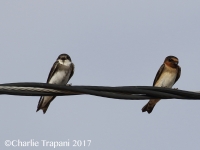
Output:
x=111 y=43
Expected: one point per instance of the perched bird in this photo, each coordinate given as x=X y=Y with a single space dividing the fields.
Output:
x=166 y=76
x=61 y=72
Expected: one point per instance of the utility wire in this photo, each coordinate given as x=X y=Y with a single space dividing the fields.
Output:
x=121 y=92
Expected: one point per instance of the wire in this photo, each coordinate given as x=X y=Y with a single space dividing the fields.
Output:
x=121 y=92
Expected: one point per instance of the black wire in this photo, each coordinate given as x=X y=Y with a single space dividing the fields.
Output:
x=73 y=89
x=121 y=92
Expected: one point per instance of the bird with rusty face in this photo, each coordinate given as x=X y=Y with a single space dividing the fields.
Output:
x=166 y=76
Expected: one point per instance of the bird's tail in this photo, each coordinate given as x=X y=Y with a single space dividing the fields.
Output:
x=45 y=106
x=40 y=103
x=44 y=109
x=150 y=105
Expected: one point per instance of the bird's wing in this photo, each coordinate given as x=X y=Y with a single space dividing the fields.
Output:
x=178 y=74
x=72 y=72
x=52 y=71
x=158 y=74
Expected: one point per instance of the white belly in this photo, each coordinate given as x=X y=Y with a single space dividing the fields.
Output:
x=167 y=79
x=61 y=77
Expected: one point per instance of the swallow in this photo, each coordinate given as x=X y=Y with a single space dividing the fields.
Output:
x=61 y=72
x=166 y=76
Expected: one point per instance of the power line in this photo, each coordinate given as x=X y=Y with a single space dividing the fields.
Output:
x=121 y=92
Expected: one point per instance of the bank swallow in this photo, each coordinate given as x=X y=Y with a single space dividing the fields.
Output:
x=61 y=72
x=166 y=76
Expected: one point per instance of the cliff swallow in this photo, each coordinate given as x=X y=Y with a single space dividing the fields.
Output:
x=61 y=72
x=166 y=76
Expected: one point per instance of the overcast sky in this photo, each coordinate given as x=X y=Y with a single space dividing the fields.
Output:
x=111 y=43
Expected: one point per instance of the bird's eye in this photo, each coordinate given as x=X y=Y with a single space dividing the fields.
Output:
x=170 y=60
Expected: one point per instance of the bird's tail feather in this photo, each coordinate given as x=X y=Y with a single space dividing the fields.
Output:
x=44 y=107
x=150 y=105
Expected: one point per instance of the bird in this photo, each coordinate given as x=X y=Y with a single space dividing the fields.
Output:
x=166 y=76
x=60 y=73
